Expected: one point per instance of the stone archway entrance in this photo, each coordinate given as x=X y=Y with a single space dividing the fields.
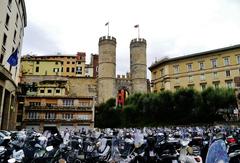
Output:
x=122 y=95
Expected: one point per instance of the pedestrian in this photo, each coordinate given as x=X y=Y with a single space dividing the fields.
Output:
x=217 y=152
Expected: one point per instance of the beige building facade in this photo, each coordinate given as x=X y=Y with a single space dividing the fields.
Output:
x=216 y=68
x=13 y=20
x=57 y=102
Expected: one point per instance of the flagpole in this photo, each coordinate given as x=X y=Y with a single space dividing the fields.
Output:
x=137 y=26
x=108 y=29
x=107 y=24
x=138 y=32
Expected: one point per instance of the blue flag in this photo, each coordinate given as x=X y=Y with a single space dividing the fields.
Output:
x=13 y=59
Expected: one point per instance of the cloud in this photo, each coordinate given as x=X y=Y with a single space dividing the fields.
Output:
x=171 y=28
x=37 y=40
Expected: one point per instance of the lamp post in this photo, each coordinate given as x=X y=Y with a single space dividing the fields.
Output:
x=93 y=109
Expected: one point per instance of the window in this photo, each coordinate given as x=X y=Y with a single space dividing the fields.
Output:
x=55 y=69
x=68 y=62
x=229 y=83
x=4 y=39
x=216 y=84
x=62 y=69
x=202 y=77
x=228 y=74
x=190 y=79
x=83 y=117
x=201 y=65
x=84 y=104
x=33 y=115
x=78 y=62
x=176 y=87
x=50 y=115
x=238 y=59
x=67 y=69
x=226 y=61
x=73 y=62
x=16 y=20
x=203 y=86
x=154 y=75
x=7 y=21
x=79 y=70
x=37 y=69
x=177 y=80
x=214 y=63
x=67 y=116
x=68 y=102
x=215 y=75
x=42 y=91
x=73 y=69
x=176 y=69
x=189 y=67
x=56 y=63
x=37 y=62
x=49 y=91
x=34 y=103
x=162 y=71
x=57 y=90
x=1 y=58
x=14 y=36
x=191 y=86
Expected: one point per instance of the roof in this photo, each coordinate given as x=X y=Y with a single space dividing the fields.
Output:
x=165 y=60
x=45 y=56
x=41 y=60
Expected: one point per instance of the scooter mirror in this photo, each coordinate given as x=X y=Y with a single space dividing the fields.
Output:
x=49 y=148
x=12 y=160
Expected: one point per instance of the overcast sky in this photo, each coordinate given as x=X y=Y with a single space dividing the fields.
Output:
x=171 y=27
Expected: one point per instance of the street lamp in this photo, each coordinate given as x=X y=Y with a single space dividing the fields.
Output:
x=93 y=109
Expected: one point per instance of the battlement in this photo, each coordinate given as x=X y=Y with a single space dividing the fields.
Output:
x=107 y=38
x=138 y=40
x=127 y=76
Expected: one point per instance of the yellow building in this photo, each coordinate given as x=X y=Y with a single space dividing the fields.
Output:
x=41 y=67
x=64 y=65
x=216 y=68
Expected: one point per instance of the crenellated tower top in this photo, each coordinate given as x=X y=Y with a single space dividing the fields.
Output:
x=138 y=42
x=107 y=40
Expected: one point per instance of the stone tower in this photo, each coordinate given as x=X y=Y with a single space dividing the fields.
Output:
x=138 y=66
x=107 y=68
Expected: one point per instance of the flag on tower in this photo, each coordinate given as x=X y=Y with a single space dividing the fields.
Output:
x=106 y=23
x=136 y=26
x=13 y=59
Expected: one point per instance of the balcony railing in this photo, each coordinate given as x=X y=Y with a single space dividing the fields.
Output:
x=58 y=120
x=59 y=108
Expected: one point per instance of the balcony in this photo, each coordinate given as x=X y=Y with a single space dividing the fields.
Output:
x=4 y=73
x=57 y=120
x=59 y=108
